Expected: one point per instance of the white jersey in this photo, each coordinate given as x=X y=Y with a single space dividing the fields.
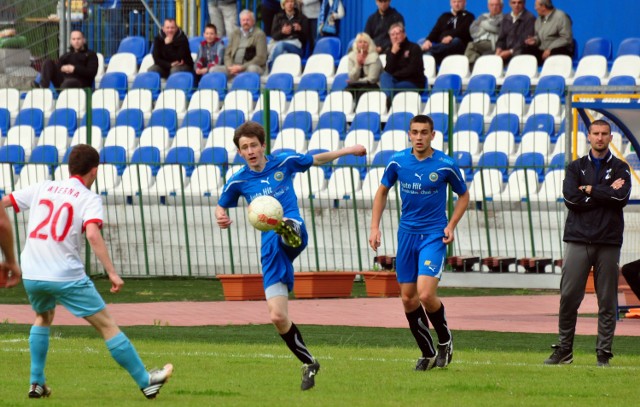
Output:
x=60 y=211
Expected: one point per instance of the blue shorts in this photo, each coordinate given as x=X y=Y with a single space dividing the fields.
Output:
x=277 y=258
x=80 y=297
x=419 y=255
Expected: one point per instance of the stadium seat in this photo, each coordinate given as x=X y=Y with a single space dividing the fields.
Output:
x=30 y=117
x=65 y=117
x=239 y=99
x=629 y=46
x=184 y=156
x=230 y=118
x=323 y=64
x=360 y=136
x=382 y=158
x=88 y=135
x=501 y=141
x=247 y=81
x=5 y=121
x=483 y=83
x=626 y=65
x=329 y=45
x=45 y=154
x=139 y=99
x=123 y=136
x=535 y=142
x=55 y=136
x=41 y=99
x=551 y=84
x=75 y=99
x=214 y=155
x=395 y=140
x=158 y=137
x=521 y=186
x=410 y=102
x=465 y=140
x=166 y=118
x=598 y=46
x=339 y=82
x=476 y=103
x=290 y=138
x=148 y=155
x=338 y=102
x=116 y=155
x=281 y=82
x=274 y=122
x=586 y=80
x=522 y=64
x=316 y=82
x=324 y=139
x=288 y=63
x=551 y=189
x=470 y=122
x=194 y=43
x=429 y=63
x=496 y=160
x=135 y=180
x=133 y=118
x=595 y=65
x=373 y=101
x=222 y=137
x=182 y=81
x=446 y=82
x=399 y=121
x=505 y=122
x=455 y=64
x=10 y=100
x=486 y=183
x=199 y=118
x=205 y=99
x=517 y=84
x=206 y=182
x=532 y=160
x=61 y=172
x=511 y=103
x=148 y=80
x=488 y=65
x=308 y=184
x=124 y=62
x=136 y=45
x=556 y=65
x=306 y=100
x=32 y=174
x=300 y=120
x=441 y=123
x=215 y=81
x=367 y=121
x=277 y=102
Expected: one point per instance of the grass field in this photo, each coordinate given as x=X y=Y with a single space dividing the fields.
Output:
x=250 y=366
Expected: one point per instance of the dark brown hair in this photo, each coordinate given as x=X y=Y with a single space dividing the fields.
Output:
x=83 y=158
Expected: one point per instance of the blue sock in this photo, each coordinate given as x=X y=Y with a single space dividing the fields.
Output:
x=39 y=346
x=125 y=354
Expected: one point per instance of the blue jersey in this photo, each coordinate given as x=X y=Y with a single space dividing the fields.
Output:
x=276 y=179
x=423 y=189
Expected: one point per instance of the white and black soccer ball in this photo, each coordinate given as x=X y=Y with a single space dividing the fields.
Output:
x=265 y=212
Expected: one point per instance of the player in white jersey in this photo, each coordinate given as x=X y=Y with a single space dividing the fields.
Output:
x=61 y=211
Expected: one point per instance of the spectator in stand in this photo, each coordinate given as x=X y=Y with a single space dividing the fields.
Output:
x=450 y=35
x=171 y=52
x=224 y=15
x=404 y=69
x=210 y=52
x=484 y=32
x=516 y=27
x=379 y=23
x=269 y=10
x=247 y=49
x=364 y=66
x=75 y=69
x=290 y=32
x=553 y=33
x=311 y=10
x=331 y=12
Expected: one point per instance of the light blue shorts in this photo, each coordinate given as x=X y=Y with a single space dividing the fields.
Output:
x=422 y=255
x=80 y=297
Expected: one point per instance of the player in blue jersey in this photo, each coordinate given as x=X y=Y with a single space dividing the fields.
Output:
x=422 y=174
x=273 y=175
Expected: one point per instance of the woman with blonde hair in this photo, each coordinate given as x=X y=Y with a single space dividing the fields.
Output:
x=364 y=66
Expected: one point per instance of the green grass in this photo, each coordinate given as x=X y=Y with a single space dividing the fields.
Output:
x=249 y=366
x=191 y=289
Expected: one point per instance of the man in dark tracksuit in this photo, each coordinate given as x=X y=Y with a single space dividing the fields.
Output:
x=595 y=189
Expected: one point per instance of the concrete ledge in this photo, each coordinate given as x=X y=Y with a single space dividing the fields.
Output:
x=501 y=280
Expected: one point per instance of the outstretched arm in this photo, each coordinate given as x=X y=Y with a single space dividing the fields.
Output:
x=102 y=253
x=329 y=156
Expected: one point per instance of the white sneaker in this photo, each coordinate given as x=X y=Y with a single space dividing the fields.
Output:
x=157 y=379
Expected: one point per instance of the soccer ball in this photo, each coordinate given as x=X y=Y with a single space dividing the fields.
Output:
x=265 y=212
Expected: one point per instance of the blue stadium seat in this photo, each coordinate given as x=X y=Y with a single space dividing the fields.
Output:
x=132 y=118
x=517 y=84
x=539 y=122
x=382 y=158
x=194 y=44
x=398 y=121
x=45 y=155
x=333 y=120
x=331 y=46
x=230 y=118
x=557 y=161
x=5 y=121
x=446 y=82
x=299 y=120
x=629 y=46
x=182 y=81
x=316 y=82
x=281 y=81
x=184 y=156
x=598 y=46
x=551 y=84
x=248 y=81
x=117 y=81
x=99 y=117
x=484 y=83
x=354 y=161
x=284 y=151
x=148 y=155
x=214 y=155
x=441 y=123
x=116 y=155
x=31 y=117
x=64 y=117
x=621 y=80
x=65 y=159
x=238 y=160
x=497 y=160
x=586 y=80
x=340 y=82
x=464 y=162
x=367 y=121
x=166 y=118
x=134 y=44
x=148 y=80
x=216 y=81
x=13 y=154
x=505 y=122
x=633 y=161
x=534 y=161
x=199 y=118
x=274 y=122
x=471 y=122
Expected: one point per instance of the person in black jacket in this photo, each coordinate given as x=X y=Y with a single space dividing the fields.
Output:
x=75 y=69
x=171 y=52
x=450 y=35
x=516 y=27
x=595 y=189
x=404 y=69
x=379 y=23
x=290 y=32
x=631 y=273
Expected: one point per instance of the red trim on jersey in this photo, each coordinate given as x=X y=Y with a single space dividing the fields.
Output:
x=96 y=221
x=78 y=178
x=14 y=203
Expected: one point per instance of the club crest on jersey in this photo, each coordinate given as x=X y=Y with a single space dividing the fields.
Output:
x=433 y=177
x=427 y=262
x=279 y=176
